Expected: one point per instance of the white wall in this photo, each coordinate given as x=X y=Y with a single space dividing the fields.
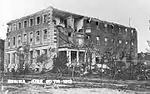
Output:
x=57 y=20
x=80 y=24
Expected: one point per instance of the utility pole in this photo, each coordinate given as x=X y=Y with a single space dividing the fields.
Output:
x=149 y=23
x=130 y=57
x=129 y=22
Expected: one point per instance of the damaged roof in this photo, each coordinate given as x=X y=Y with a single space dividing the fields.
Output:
x=61 y=13
x=57 y=12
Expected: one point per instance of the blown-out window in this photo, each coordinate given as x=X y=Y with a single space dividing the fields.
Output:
x=37 y=36
x=44 y=18
x=31 y=37
x=120 y=41
x=8 y=42
x=25 y=24
x=88 y=30
x=19 y=39
x=31 y=22
x=105 y=41
x=38 y=20
x=126 y=30
x=45 y=34
x=112 y=40
x=132 y=32
x=14 y=40
x=25 y=37
x=19 y=25
x=97 y=39
x=97 y=23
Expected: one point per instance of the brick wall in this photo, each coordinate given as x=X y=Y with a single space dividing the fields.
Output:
x=118 y=38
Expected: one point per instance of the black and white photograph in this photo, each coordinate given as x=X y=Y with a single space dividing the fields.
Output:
x=74 y=46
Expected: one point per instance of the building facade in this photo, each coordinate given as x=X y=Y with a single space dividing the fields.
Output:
x=68 y=34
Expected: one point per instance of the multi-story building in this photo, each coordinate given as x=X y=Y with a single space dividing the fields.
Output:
x=1 y=55
x=69 y=34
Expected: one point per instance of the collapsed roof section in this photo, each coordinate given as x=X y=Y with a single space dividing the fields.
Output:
x=64 y=14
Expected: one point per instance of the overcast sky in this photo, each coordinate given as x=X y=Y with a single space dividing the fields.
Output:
x=118 y=11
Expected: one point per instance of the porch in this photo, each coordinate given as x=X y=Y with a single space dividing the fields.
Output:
x=73 y=55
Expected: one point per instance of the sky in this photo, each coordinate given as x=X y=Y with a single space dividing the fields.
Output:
x=118 y=11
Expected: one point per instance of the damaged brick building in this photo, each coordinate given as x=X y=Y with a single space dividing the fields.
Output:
x=69 y=34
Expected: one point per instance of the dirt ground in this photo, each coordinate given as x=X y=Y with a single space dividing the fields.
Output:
x=81 y=86
x=78 y=88
x=71 y=91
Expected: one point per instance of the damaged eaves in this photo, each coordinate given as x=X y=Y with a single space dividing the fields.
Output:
x=106 y=23
x=65 y=14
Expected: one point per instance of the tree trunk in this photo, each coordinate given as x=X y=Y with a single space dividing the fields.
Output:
x=73 y=71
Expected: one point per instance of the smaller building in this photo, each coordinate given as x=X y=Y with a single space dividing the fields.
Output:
x=1 y=55
x=144 y=58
